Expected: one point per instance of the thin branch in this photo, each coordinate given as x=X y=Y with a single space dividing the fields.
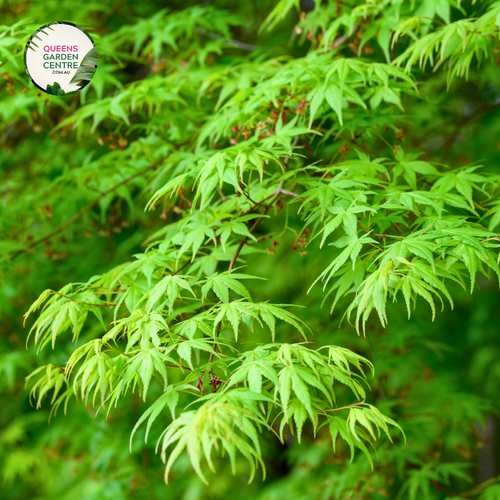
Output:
x=297 y=196
x=181 y=268
x=242 y=242
x=215 y=36
x=345 y=407
x=434 y=20
x=426 y=229
x=221 y=194
x=343 y=38
x=81 y=213
x=238 y=250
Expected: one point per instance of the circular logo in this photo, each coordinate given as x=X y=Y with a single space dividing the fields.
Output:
x=60 y=58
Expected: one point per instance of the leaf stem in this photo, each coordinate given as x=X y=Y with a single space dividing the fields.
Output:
x=345 y=407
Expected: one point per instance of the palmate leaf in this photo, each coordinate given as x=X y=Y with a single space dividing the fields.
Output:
x=184 y=349
x=420 y=480
x=97 y=374
x=169 y=399
x=338 y=427
x=302 y=378
x=293 y=378
x=371 y=419
x=458 y=42
x=452 y=243
x=352 y=245
x=279 y=12
x=171 y=286
x=218 y=425
x=51 y=378
x=308 y=370
x=137 y=372
x=222 y=283
x=238 y=227
x=298 y=412
x=363 y=425
x=235 y=311
x=66 y=309
x=141 y=366
x=254 y=372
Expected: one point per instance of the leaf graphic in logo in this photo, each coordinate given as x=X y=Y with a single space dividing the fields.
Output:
x=55 y=89
x=87 y=68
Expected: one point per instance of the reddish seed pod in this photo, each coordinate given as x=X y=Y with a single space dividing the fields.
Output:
x=294 y=247
x=163 y=215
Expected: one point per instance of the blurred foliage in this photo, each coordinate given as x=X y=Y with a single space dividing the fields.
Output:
x=229 y=161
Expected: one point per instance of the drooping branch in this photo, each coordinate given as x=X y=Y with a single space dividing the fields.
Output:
x=82 y=212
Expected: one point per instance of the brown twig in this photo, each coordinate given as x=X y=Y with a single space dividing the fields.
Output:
x=216 y=36
x=181 y=268
x=82 y=212
x=297 y=196
x=345 y=407
x=343 y=38
x=244 y=240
